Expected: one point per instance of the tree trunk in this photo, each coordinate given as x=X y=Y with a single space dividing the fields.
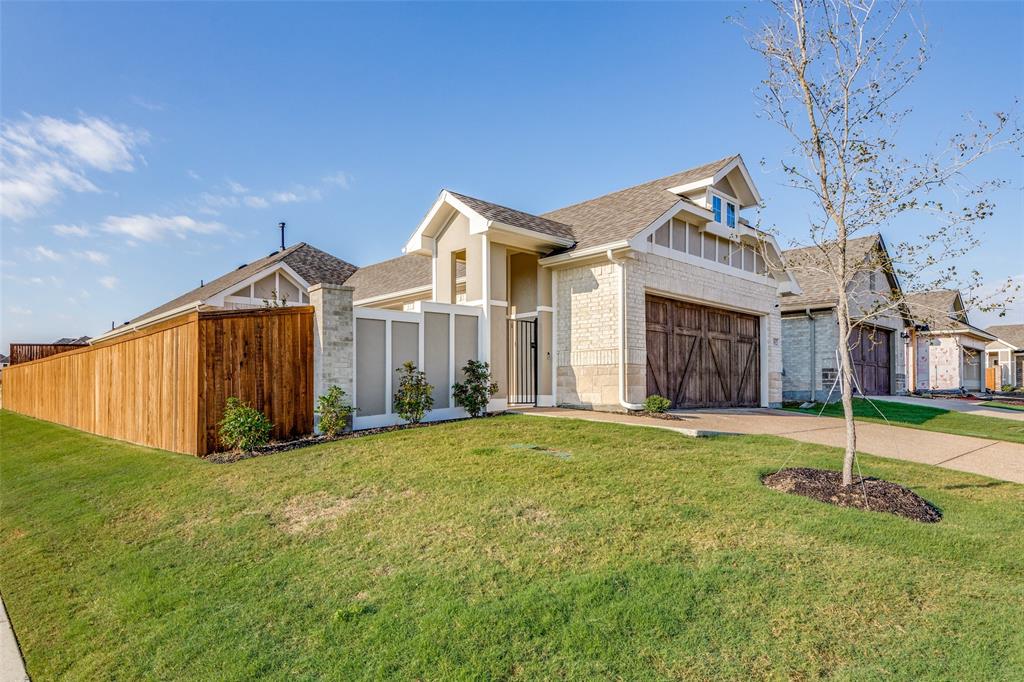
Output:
x=846 y=372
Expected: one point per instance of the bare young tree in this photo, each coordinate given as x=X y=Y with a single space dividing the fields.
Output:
x=836 y=73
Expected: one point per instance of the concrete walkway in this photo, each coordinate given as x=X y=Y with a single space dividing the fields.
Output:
x=954 y=405
x=993 y=458
x=12 y=668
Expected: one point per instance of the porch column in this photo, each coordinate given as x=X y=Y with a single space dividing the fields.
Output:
x=333 y=348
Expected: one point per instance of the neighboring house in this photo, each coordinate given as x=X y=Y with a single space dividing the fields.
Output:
x=810 y=325
x=1006 y=354
x=660 y=288
x=945 y=352
x=282 y=278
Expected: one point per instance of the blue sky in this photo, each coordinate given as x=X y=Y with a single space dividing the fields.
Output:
x=169 y=139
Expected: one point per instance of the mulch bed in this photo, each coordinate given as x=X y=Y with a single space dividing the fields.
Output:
x=231 y=456
x=871 y=494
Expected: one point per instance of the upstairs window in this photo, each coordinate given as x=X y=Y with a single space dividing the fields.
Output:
x=716 y=207
x=730 y=214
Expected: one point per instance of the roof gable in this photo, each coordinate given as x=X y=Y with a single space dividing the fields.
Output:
x=1012 y=334
x=810 y=266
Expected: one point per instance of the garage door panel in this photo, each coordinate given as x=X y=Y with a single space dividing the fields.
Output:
x=710 y=357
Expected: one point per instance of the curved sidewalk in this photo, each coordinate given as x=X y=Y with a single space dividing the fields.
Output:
x=993 y=458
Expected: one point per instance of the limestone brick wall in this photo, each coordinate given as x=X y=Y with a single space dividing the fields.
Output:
x=333 y=357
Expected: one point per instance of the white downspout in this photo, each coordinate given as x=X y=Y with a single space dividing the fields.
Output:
x=622 y=334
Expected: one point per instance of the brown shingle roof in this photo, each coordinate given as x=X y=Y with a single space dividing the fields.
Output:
x=411 y=271
x=622 y=214
x=510 y=216
x=934 y=308
x=1011 y=333
x=312 y=264
x=810 y=266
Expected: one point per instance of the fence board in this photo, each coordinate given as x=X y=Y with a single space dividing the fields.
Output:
x=27 y=352
x=166 y=386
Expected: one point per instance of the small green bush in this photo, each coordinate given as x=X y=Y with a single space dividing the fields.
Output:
x=243 y=427
x=475 y=392
x=334 y=411
x=413 y=398
x=656 y=404
x=1007 y=388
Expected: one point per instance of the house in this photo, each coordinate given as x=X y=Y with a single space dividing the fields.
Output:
x=945 y=351
x=810 y=325
x=1006 y=355
x=282 y=278
x=661 y=288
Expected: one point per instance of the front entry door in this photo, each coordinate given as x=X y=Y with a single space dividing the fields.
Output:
x=698 y=356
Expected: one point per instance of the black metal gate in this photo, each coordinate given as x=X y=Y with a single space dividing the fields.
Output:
x=522 y=362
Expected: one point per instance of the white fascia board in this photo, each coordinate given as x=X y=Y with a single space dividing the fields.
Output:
x=404 y=293
x=584 y=253
x=217 y=299
x=734 y=164
x=542 y=237
x=416 y=243
x=477 y=223
x=692 y=186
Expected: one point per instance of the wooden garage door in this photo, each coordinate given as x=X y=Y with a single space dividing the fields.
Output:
x=702 y=357
x=870 y=349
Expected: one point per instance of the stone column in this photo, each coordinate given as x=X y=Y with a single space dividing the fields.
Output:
x=333 y=333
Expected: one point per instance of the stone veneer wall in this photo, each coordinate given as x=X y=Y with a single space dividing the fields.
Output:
x=658 y=274
x=587 y=307
x=333 y=361
x=796 y=355
x=588 y=324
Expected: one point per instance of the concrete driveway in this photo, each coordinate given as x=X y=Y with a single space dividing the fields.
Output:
x=993 y=458
x=954 y=405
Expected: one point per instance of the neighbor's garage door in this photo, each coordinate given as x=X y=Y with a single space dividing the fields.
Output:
x=870 y=349
x=702 y=357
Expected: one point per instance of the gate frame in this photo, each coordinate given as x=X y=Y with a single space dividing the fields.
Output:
x=513 y=357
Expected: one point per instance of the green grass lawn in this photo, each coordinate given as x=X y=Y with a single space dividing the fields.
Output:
x=929 y=419
x=455 y=552
x=1006 y=406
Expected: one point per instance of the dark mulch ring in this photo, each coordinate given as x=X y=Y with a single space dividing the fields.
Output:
x=872 y=494
x=230 y=456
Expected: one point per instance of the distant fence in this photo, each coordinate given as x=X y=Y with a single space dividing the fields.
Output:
x=438 y=338
x=165 y=386
x=27 y=352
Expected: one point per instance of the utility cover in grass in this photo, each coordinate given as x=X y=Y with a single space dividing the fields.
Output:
x=540 y=448
x=871 y=494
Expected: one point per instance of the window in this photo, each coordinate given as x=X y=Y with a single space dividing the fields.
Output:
x=730 y=214
x=716 y=207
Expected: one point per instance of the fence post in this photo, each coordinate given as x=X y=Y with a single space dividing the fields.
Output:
x=333 y=329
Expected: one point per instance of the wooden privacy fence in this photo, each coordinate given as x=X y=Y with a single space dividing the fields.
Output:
x=165 y=386
x=27 y=352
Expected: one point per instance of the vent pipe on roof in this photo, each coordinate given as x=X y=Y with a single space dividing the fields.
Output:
x=281 y=226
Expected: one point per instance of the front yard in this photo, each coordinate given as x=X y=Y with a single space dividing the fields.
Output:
x=513 y=547
x=928 y=418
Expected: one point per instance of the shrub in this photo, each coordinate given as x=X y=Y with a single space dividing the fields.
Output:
x=1007 y=388
x=413 y=398
x=656 y=404
x=475 y=392
x=243 y=427
x=334 y=411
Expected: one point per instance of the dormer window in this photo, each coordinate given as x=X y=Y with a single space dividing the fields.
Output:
x=729 y=206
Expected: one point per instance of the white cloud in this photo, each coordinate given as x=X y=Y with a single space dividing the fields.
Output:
x=18 y=310
x=237 y=187
x=42 y=157
x=110 y=282
x=154 y=227
x=341 y=179
x=97 y=257
x=192 y=174
x=71 y=230
x=41 y=252
x=256 y=202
